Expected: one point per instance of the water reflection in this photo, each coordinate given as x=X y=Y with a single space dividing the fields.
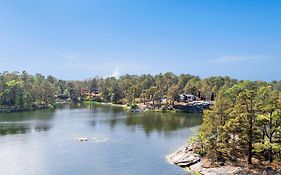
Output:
x=96 y=108
x=163 y=122
x=57 y=151
x=25 y=122
x=148 y=121
x=6 y=129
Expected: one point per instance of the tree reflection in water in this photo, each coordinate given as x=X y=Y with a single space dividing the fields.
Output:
x=148 y=121
x=25 y=122
x=163 y=122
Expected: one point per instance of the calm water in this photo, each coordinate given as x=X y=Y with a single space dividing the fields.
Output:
x=120 y=143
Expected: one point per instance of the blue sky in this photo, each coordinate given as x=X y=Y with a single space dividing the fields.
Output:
x=79 y=39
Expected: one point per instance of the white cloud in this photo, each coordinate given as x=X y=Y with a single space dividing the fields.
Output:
x=116 y=73
x=110 y=69
x=239 y=59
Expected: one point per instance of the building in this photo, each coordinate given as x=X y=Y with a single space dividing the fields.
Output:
x=187 y=98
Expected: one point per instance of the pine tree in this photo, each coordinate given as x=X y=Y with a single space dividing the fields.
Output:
x=269 y=120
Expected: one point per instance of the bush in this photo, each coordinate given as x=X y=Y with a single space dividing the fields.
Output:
x=134 y=106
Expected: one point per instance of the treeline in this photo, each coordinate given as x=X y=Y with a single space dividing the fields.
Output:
x=134 y=88
x=25 y=91
x=245 y=122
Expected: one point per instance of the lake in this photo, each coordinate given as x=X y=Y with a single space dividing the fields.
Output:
x=45 y=142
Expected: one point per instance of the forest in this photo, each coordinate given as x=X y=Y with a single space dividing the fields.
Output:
x=244 y=123
x=22 y=91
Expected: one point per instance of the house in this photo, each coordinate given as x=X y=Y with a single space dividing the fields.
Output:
x=187 y=98
x=164 y=100
x=96 y=91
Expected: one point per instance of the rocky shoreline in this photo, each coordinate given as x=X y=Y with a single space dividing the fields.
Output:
x=186 y=158
x=195 y=107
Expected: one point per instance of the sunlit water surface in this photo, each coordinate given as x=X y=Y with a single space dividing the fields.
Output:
x=120 y=143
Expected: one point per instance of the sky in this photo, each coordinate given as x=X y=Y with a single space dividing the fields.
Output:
x=79 y=39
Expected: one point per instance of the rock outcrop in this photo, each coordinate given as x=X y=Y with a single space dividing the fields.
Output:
x=194 y=107
x=185 y=157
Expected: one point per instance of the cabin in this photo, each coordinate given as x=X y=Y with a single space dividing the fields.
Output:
x=187 y=98
x=95 y=91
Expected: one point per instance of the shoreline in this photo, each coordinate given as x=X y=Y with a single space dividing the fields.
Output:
x=186 y=158
x=107 y=104
x=145 y=108
x=11 y=109
x=137 y=108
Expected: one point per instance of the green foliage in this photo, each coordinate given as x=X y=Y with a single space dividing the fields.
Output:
x=212 y=136
x=192 y=86
x=172 y=94
x=245 y=121
x=25 y=92
x=134 y=106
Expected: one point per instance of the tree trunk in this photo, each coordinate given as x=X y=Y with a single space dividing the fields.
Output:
x=250 y=152
x=250 y=141
x=250 y=132
x=270 y=156
x=270 y=140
